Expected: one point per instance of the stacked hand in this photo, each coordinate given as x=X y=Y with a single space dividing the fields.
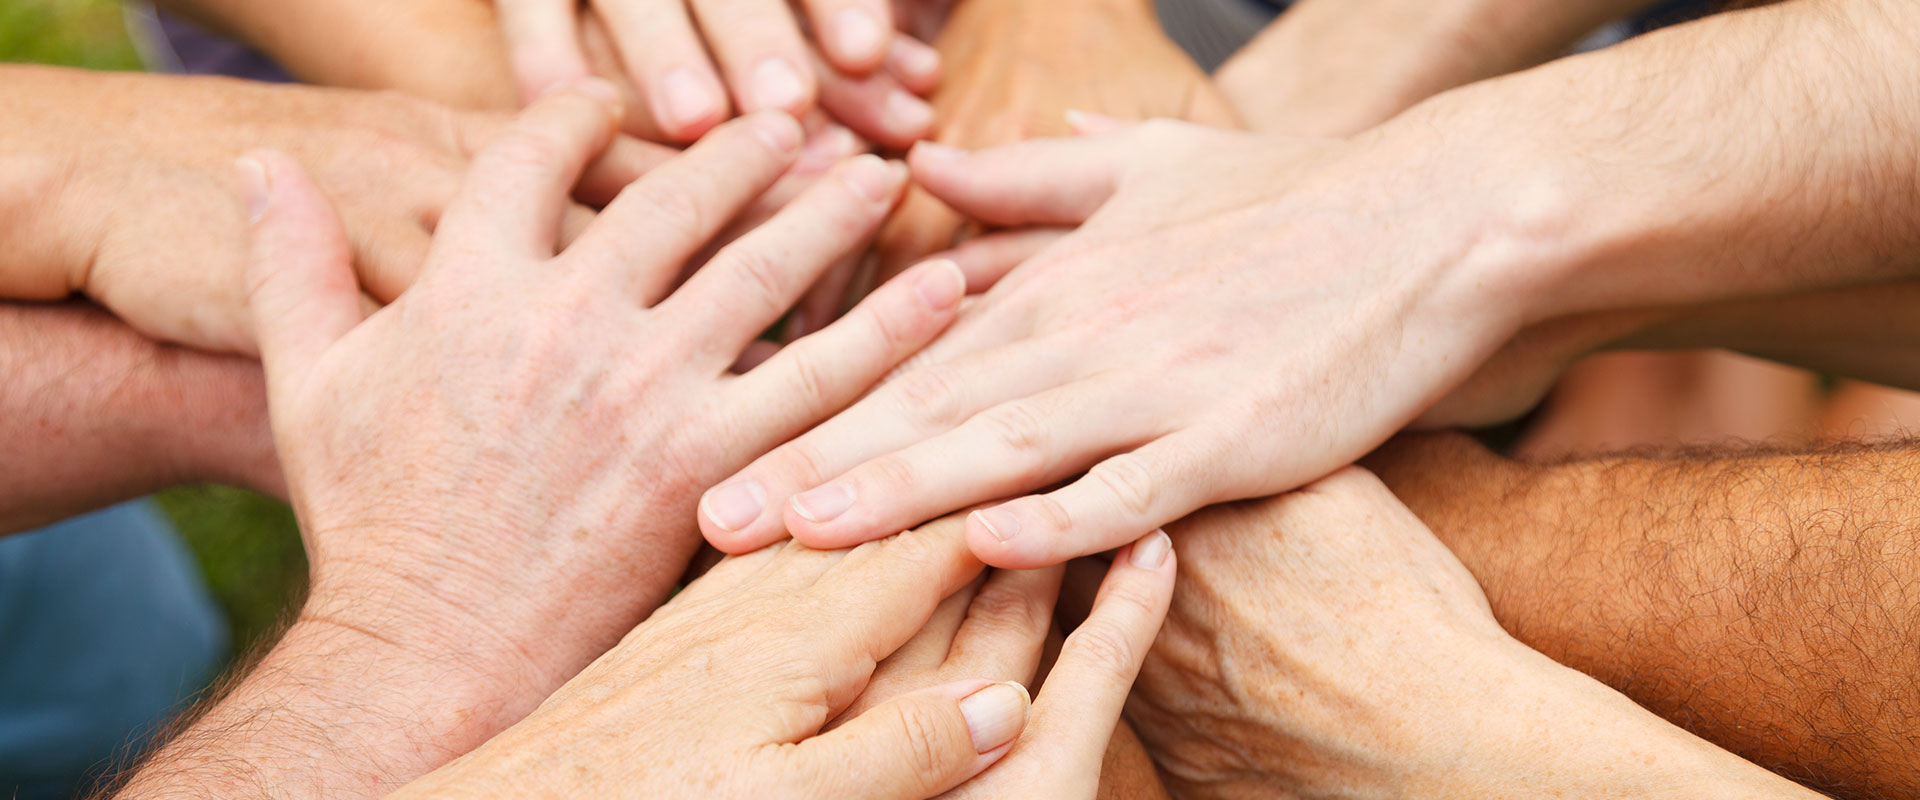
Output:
x=497 y=472
x=690 y=63
x=725 y=691
x=1229 y=320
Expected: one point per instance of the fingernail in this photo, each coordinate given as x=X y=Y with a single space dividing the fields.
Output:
x=938 y=151
x=777 y=85
x=689 y=99
x=779 y=131
x=1002 y=525
x=825 y=149
x=871 y=177
x=824 y=503
x=905 y=112
x=857 y=34
x=735 y=505
x=800 y=324
x=995 y=714
x=908 y=57
x=254 y=187
x=1151 y=551
x=942 y=285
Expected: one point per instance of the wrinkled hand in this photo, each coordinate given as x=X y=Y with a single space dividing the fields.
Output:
x=499 y=469
x=1014 y=71
x=725 y=690
x=143 y=218
x=1232 y=320
x=860 y=70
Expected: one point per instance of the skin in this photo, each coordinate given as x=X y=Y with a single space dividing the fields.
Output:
x=479 y=54
x=484 y=509
x=94 y=413
x=1014 y=70
x=724 y=691
x=1325 y=644
x=1522 y=223
x=1761 y=599
x=80 y=184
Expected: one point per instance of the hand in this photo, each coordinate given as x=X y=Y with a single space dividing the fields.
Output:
x=861 y=71
x=1324 y=644
x=1230 y=321
x=508 y=456
x=143 y=217
x=1015 y=70
x=723 y=692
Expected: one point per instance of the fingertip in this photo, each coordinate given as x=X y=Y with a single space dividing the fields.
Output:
x=857 y=39
x=686 y=103
x=1152 y=552
x=777 y=84
x=913 y=63
x=778 y=130
x=941 y=284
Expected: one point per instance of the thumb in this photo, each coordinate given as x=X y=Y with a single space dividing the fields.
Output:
x=1035 y=182
x=913 y=746
x=300 y=281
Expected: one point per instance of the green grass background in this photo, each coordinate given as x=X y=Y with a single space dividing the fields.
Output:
x=246 y=544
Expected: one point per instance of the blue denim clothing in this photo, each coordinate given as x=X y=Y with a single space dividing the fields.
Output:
x=106 y=627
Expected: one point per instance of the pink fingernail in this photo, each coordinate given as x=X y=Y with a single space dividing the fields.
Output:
x=871 y=177
x=1151 y=551
x=825 y=503
x=689 y=99
x=995 y=714
x=735 y=505
x=777 y=85
x=943 y=284
x=857 y=34
x=1002 y=525
x=938 y=151
x=906 y=113
x=911 y=58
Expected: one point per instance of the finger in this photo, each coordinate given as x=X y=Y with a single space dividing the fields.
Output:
x=576 y=221
x=920 y=404
x=624 y=161
x=818 y=375
x=876 y=106
x=1088 y=685
x=883 y=592
x=1145 y=488
x=300 y=284
x=987 y=259
x=823 y=301
x=1087 y=123
x=750 y=283
x=1013 y=448
x=755 y=355
x=1006 y=625
x=855 y=34
x=1037 y=182
x=913 y=63
x=543 y=43
x=927 y=650
x=920 y=227
x=663 y=55
x=665 y=217
x=388 y=257
x=518 y=187
x=913 y=746
x=758 y=45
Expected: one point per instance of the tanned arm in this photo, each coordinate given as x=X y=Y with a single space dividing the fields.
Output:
x=92 y=413
x=1767 y=601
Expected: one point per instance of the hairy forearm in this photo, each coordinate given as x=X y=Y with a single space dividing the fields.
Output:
x=1751 y=153
x=1766 y=601
x=94 y=414
x=1329 y=68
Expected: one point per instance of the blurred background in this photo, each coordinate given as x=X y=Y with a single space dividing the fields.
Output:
x=246 y=544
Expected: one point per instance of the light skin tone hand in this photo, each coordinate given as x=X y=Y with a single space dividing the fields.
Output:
x=725 y=691
x=1761 y=598
x=1091 y=358
x=483 y=54
x=495 y=475
x=80 y=198
x=92 y=413
x=1014 y=72
x=1325 y=644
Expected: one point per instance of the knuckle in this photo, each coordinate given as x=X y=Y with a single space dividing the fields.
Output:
x=1130 y=483
x=810 y=381
x=759 y=276
x=671 y=208
x=1018 y=429
x=1104 y=646
x=801 y=462
x=922 y=734
x=1008 y=611
x=893 y=472
x=929 y=395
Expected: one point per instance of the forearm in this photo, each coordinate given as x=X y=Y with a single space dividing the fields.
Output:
x=444 y=50
x=1329 y=68
x=94 y=414
x=331 y=712
x=1751 y=153
x=1763 y=601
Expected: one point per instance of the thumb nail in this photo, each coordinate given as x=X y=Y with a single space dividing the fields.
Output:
x=995 y=714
